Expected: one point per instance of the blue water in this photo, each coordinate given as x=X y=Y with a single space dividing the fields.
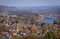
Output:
x=49 y=20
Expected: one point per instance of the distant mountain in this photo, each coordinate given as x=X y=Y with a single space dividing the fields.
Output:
x=32 y=9
x=6 y=9
x=41 y=9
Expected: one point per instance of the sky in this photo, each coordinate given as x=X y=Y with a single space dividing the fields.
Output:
x=23 y=3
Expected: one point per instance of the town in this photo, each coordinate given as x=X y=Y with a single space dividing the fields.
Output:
x=27 y=27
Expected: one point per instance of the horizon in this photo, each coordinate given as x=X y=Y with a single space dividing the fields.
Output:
x=31 y=6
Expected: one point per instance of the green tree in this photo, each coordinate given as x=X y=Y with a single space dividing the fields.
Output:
x=50 y=35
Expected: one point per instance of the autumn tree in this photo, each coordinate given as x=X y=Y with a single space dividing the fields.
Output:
x=32 y=36
x=58 y=33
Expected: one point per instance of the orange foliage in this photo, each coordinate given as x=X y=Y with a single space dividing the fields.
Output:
x=33 y=36
x=14 y=37
x=58 y=34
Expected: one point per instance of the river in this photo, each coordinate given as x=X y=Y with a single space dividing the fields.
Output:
x=49 y=20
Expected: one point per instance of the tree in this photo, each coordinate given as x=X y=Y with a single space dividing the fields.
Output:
x=16 y=37
x=49 y=35
x=57 y=21
x=32 y=36
x=58 y=33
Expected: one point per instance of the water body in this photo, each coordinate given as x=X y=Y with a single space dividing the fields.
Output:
x=49 y=20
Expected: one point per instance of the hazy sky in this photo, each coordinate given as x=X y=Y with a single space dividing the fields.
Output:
x=30 y=2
